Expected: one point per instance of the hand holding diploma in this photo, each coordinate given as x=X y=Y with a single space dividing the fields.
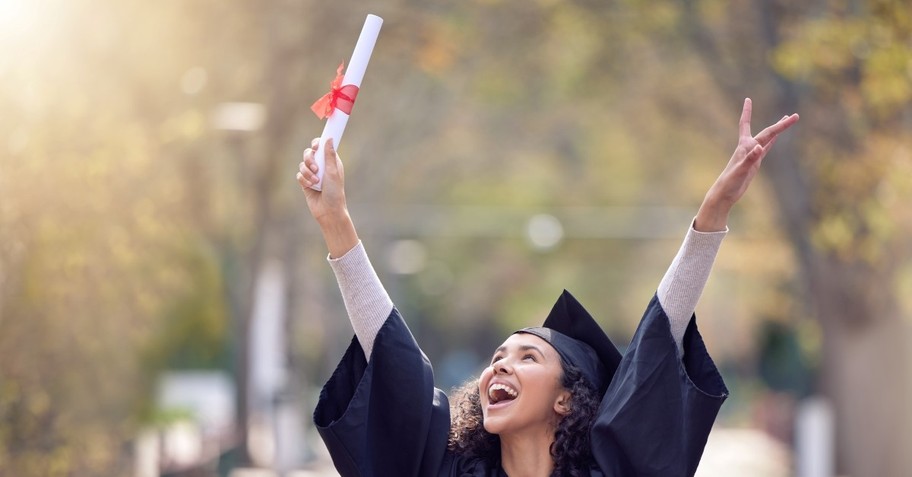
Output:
x=337 y=105
x=328 y=206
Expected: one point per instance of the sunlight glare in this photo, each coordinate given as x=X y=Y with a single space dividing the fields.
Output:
x=17 y=16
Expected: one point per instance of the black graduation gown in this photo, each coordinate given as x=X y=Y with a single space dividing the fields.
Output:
x=385 y=417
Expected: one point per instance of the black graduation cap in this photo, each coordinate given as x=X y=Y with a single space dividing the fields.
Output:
x=579 y=340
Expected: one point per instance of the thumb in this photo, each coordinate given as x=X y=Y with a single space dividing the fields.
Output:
x=329 y=154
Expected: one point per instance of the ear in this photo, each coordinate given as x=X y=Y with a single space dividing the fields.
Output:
x=562 y=403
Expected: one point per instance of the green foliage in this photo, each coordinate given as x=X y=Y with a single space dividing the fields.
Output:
x=831 y=52
x=195 y=326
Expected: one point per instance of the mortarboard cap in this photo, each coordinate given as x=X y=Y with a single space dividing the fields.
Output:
x=579 y=340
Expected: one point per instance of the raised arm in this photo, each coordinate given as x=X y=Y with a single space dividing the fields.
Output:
x=366 y=301
x=683 y=283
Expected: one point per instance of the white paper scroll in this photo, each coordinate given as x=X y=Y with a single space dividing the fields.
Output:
x=335 y=124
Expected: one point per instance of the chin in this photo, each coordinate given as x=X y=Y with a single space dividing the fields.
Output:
x=495 y=424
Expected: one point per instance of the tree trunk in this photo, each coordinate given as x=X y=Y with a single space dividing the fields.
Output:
x=864 y=372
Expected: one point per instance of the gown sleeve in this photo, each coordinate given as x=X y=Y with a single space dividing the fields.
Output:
x=384 y=417
x=656 y=415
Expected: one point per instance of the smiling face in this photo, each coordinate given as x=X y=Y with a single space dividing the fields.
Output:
x=521 y=389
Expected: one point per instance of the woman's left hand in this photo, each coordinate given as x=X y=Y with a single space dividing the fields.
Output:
x=740 y=171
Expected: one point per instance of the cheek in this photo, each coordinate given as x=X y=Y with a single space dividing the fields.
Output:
x=483 y=381
x=486 y=375
x=546 y=385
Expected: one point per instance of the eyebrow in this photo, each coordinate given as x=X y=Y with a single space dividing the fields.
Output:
x=521 y=348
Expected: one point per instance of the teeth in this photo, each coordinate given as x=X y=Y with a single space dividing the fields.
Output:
x=501 y=387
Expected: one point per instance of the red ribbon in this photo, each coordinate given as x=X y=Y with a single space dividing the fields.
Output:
x=339 y=97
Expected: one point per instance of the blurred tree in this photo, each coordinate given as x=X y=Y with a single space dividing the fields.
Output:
x=131 y=226
x=106 y=218
x=839 y=183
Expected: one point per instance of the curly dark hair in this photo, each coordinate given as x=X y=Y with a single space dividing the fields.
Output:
x=570 y=450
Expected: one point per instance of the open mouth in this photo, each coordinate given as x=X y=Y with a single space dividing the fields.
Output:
x=501 y=393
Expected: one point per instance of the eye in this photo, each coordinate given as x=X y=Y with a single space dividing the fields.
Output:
x=529 y=356
x=496 y=358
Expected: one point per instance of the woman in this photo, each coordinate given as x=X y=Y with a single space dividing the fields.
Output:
x=555 y=400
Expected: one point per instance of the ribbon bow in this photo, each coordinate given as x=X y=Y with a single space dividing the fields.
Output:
x=339 y=97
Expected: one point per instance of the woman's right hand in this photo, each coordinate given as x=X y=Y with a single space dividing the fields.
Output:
x=328 y=205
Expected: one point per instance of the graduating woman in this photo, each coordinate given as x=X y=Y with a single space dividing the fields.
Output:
x=556 y=400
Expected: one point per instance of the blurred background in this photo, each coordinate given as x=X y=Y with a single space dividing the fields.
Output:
x=165 y=305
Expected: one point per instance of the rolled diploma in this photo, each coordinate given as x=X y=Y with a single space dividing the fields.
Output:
x=335 y=123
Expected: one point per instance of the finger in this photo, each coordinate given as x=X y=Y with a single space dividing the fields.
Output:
x=773 y=130
x=308 y=167
x=315 y=144
x=306 y=178
x=769 y=145
x=302 y=181
x=330 y=157
x=755 y=154
x=765 y=136
x=744 y=125
x=308 y=157
x=309 y=161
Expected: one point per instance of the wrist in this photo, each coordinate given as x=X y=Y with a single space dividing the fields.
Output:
x=333 y=219
x=339 y=234
x=712 y=215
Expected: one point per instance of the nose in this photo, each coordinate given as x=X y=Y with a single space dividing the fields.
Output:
x=501 y=367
